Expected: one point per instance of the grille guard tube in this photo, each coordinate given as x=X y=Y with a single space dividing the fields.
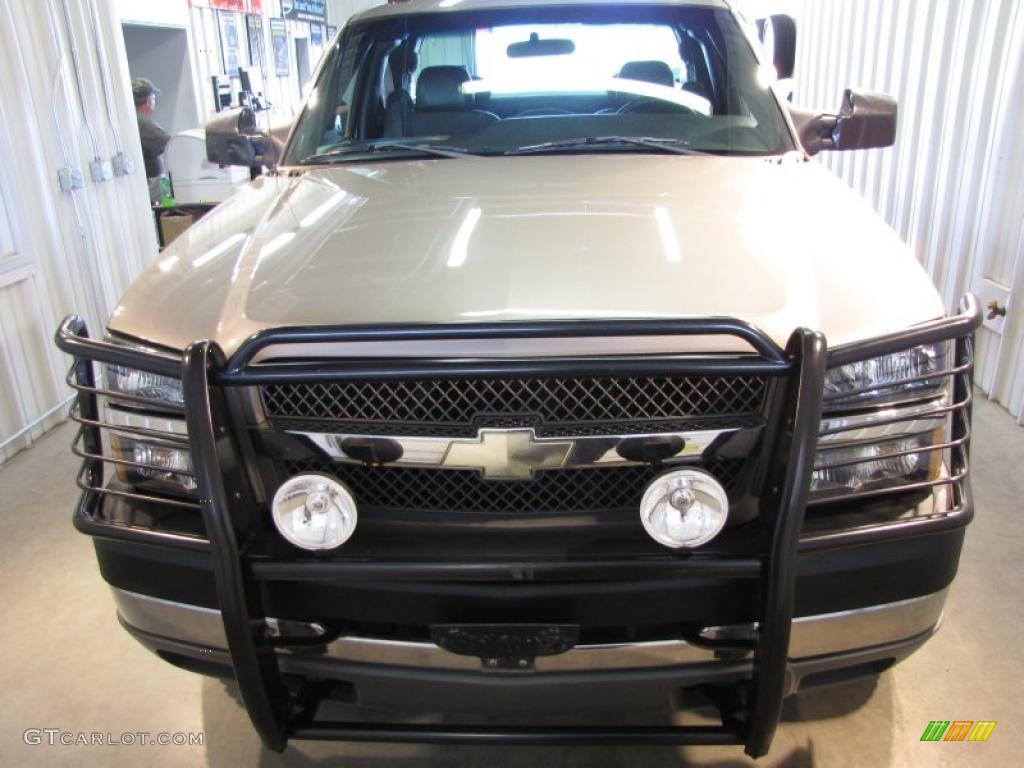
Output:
x=225 y=497
x=255 y=668
x=770 y=657
x=259 y=681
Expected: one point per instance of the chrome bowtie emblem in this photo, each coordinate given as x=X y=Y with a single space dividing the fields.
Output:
x=509 y=454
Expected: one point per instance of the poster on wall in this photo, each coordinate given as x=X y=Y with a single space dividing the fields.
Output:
x=257 y=54
x=228 y=21
x=313 y=11
x=331 y=32
x=316 y=36
x=239 y=6
x=279 y=42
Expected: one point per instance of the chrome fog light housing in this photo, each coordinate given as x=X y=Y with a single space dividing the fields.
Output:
x=684 y=508
x=315 y=512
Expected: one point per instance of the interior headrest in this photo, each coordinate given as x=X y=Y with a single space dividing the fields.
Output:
x=402 y=61
x=441 y=88
x=690 y=49
x=656 y=72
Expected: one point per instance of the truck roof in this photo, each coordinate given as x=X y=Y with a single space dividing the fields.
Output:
x=406 y=7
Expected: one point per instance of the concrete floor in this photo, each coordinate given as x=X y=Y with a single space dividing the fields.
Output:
x=67 y=664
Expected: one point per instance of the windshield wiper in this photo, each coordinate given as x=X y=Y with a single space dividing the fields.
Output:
x=363 y=149
x=674 y=146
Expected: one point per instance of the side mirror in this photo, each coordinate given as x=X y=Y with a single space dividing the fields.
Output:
x=778 y=34
x=233 y=138
x=866 y=120
x=279 y=136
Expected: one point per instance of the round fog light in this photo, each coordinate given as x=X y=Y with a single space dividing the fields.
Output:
x=684 y=508
x=314 y=512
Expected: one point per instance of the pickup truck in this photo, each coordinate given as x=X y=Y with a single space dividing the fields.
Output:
x=541 y=373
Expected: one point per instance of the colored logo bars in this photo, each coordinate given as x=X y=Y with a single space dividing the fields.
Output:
x=958 y=730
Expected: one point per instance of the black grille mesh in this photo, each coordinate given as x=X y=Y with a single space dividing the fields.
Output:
x=458 y=407
x=550 y=491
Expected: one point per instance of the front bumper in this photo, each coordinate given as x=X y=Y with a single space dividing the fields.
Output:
x=649 y=675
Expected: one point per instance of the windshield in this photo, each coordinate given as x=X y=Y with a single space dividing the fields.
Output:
x=593 y=78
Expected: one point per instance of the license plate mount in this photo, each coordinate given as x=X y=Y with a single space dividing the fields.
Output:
x=506 y=647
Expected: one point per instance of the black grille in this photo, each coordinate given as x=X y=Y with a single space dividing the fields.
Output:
x=459 y=407
x=565 y=490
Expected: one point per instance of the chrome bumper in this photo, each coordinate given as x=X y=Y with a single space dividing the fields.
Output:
x=812 y=636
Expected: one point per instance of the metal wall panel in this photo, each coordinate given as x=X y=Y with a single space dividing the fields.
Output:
x=72 y=251
x=953 y=186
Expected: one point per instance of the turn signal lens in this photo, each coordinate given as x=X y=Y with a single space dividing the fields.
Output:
x=315 y=512
x=685 y=508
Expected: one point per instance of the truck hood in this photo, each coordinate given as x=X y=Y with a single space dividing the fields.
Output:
x=777 y=242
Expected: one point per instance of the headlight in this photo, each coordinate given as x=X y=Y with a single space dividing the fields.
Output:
x=153 y=461
x=864 y=467
x=150 y=409
x=884 y=424
x=151 y=387
x=904 y=375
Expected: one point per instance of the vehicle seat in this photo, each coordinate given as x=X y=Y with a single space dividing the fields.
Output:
x=698 y=81
x=654 y=72
x=398 y=107
x=441 y=108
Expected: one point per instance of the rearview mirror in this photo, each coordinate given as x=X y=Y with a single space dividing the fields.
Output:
x=778 y=35
x=537 y=47
x=866 y=120
x=233 y=138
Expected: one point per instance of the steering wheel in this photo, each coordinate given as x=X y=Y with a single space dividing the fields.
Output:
x=639 y=105
x=544 y=112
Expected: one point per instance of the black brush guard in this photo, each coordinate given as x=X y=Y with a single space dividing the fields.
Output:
x=227 y=510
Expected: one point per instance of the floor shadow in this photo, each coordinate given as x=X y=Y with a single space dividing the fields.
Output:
x=830 y=702
x=231 y=740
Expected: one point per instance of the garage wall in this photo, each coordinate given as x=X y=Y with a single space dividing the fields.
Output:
x=953 y=185
x=60 y=252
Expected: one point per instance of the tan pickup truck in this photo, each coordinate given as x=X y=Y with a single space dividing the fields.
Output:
x=541 y=373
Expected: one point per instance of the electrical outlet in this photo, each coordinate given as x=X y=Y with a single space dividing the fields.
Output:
x=123 y=165
x=995 y=299
x=101 y=171
x=70 y=178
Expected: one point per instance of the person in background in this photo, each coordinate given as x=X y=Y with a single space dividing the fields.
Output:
x=154 y=138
